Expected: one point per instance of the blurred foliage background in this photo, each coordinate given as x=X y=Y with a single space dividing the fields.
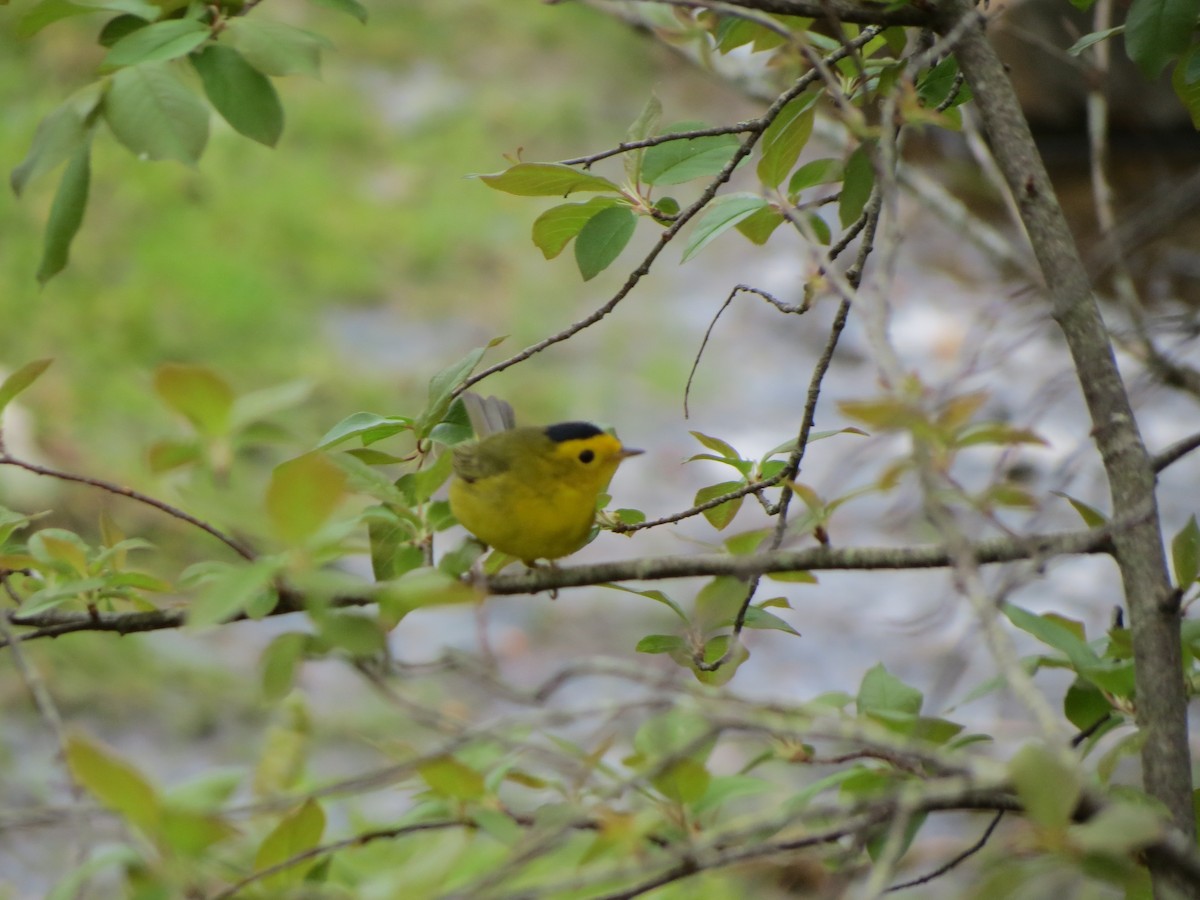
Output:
x=356 y=257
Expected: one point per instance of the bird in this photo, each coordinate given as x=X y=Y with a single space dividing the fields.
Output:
x=530 y=492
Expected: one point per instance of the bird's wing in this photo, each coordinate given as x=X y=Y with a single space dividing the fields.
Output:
x=488 y=415
x=471 y=465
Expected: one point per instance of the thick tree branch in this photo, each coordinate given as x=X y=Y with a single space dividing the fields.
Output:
x=916 y=14
x=1154 y=609
x=531 y=581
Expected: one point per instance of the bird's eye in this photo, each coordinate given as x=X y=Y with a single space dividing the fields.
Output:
x=586 y=456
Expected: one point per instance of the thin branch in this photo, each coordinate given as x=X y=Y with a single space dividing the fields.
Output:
x=753 y=487
x=48 y=709
x=1175 y=452
x=175 y=512
x=358 y=840
x=626 y=146
x=754 y=130
x=955 y=861
x=786 y=308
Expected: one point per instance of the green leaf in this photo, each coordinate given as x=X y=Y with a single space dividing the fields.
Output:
x=655 y=595
x=229 y=590
x=760 y=225
x=723 y=213
x=66 y=214
x=997 y=433
x=759 y=618
x=684 y=781
x=447 y=777
x=680 y=732
x=880 y=691
x=678 y=161
x=1091 y=516
x=114 y=783
x=143 y=9
x=1047 y=784
x=718 y=602
x=1119 y=829
x=243 y=96
x=279 y=662
x=1157 y=31
x=1084 y=704
x=794 y=577
x=155 y=115
x=1054 y=632
x=60 y=136
x=303 y=494
x=274 y=48
x=819 y=171
x=298 y=831
x=367 y=426
x=46 y=13
x=642 y=128
x=442 y=387
x=1094 y=37
x=1185 y=553
x=856 y=186
x=422 y=587
x=720 y=516
x=716 y=445
x=19 y=380
x=198 y=394
x=59 y=546
x=356 y=634
x=158 y=42
x=350 y=7
x=714 y=649
x=785 y=138
x=602 y=238
x=1186 y=82
x=191 y=834
x=546 y=180
x=557 y=226
x=259 y=404
x=661 y=643
x=934 y=87
x=118 y=27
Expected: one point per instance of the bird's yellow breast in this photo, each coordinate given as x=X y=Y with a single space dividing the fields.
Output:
x=530 y=496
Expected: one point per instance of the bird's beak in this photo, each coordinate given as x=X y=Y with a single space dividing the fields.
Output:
x=626 y=451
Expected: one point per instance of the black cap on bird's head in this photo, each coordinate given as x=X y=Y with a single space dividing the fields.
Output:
x=571 y=431
x=579 y=431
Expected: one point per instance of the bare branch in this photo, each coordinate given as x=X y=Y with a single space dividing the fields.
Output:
x=235 y=545
x=843 y=10
x=1175 y=452
x=754 y=130
x=995 y=550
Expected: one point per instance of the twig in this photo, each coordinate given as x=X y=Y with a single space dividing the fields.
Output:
x=1175 y=452
x=358 y=840
x=754 y=130
x=233 y=544
x=955 y=861
x=786 y=308
x=626 y=146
